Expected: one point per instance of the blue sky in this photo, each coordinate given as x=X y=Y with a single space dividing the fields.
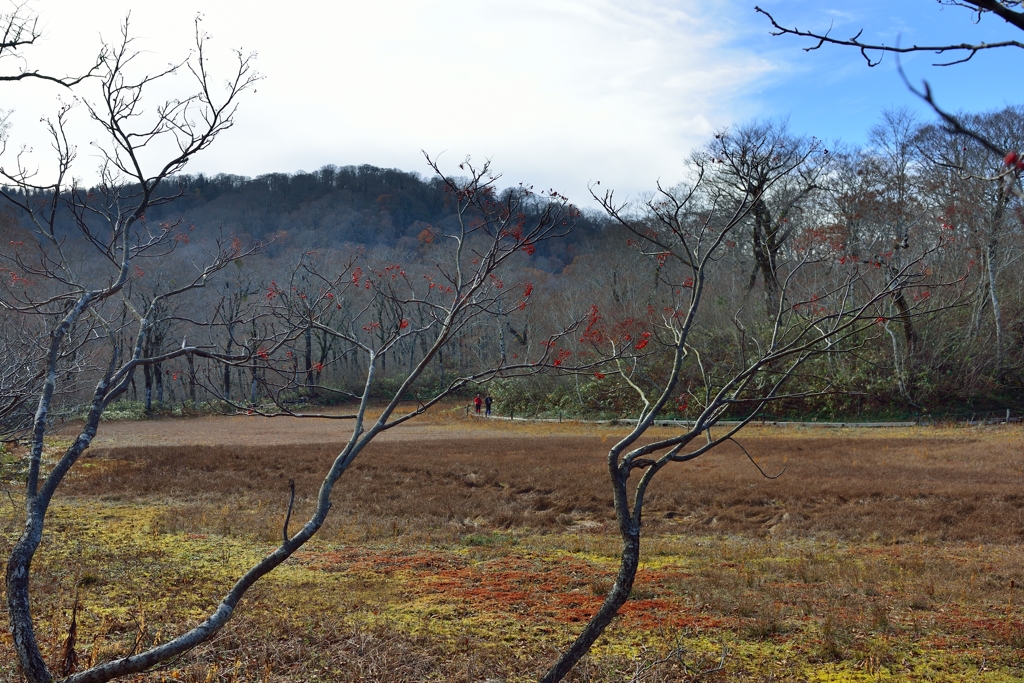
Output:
x=832 y=93
x=558 y=93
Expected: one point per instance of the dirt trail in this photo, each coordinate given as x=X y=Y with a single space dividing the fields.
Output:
x=246 y=430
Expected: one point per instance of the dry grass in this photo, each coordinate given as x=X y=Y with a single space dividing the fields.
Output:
x=470 y=550
x=924 y=485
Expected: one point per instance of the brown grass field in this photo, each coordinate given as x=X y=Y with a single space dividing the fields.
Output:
x=469 y=550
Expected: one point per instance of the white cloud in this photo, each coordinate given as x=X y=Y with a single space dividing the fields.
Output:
x=557 y=93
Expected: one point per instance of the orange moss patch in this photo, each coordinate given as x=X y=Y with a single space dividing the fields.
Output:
x=532 y=590
x=360 y=560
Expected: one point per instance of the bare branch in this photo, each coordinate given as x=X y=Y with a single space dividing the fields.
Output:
x=971 y=49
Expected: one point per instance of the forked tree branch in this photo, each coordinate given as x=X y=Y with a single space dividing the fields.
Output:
x=1001 y=9
x=19 y=29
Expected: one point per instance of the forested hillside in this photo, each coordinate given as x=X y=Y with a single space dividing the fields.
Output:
x=354 y=205
x=914 y=193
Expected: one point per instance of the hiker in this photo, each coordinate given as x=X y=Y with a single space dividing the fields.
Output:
x=487 y=405
x=477 y=401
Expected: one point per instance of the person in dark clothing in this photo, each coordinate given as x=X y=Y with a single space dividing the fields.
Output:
x=487 y=405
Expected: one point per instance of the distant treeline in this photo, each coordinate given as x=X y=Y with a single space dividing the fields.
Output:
x=322 y=210
x=360 y=205
x=915 y=191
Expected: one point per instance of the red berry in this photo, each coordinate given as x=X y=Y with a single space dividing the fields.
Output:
x=1010 y=159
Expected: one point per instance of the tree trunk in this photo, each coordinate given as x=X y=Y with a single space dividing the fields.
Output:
x=764 y=255
x=909 y=335
x=147 y=372
x=309 y=360
x=996 y=315
x=502 y=344
x=19 y=610
x=227 y=370
x=629 y=560
x=192 y=382
x=252 y=391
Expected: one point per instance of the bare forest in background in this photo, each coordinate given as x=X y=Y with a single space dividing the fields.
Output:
x=914 y=184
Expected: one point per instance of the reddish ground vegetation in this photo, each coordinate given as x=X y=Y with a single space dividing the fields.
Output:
x=461 y=549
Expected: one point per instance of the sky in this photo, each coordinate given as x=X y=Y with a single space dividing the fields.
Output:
x=558 y=94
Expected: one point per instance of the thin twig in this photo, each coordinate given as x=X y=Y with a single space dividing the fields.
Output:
x=291 y=503
x=10 y=498
x=754 y=462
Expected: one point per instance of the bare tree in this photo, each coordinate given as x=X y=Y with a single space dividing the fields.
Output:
x=1004 y=180
x=780 y=171
x=880 y=206
x=74 y=282
x=979 y=199
x=229 y=317
x=828 y=305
